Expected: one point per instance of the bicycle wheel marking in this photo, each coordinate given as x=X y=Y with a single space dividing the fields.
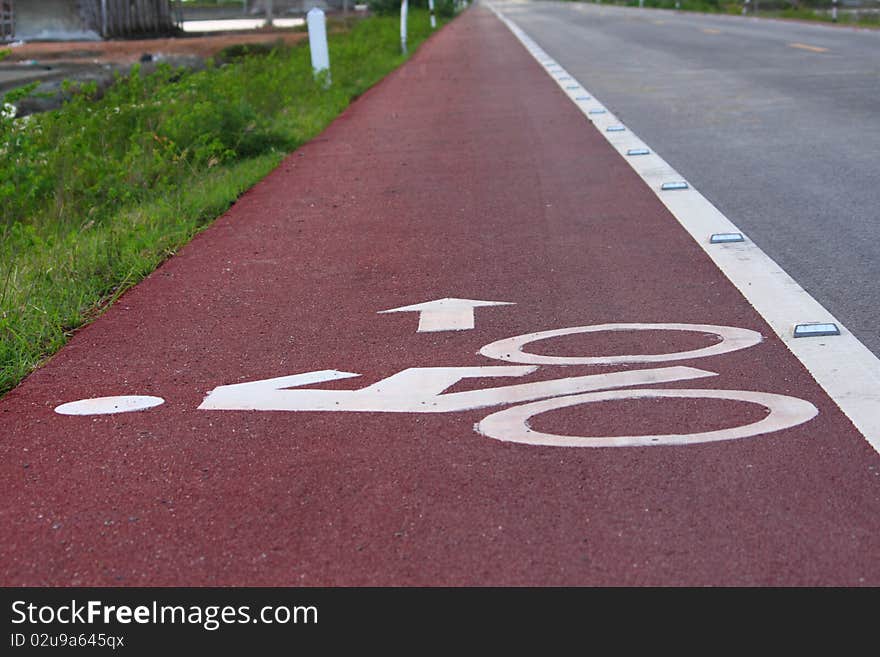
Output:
x=511 y=349
x=512 y=424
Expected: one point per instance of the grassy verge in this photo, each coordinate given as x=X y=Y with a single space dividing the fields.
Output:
x=95 y=195
x=845 y=17
x=767 y=9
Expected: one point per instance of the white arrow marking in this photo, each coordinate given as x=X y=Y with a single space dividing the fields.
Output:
x=446 y=314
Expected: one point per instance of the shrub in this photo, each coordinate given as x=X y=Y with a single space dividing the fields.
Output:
x=444 y=8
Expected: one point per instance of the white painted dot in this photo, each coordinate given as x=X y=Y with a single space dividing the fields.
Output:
x=109 y=405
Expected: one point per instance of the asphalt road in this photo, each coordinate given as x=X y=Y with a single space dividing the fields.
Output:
x=777 y=123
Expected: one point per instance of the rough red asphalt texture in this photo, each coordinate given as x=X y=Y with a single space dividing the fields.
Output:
x=466 y=173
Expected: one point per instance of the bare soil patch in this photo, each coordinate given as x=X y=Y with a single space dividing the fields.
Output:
x=130 y=51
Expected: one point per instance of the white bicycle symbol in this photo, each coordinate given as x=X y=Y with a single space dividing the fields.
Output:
x=422 y=390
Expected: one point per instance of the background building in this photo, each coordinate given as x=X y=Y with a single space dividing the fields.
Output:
x=31 y=20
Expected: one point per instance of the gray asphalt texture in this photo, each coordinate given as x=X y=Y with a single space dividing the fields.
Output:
x=784 y=140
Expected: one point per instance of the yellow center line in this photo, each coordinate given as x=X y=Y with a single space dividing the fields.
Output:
x=710 y=30
x=659 y=22
x=804 y=46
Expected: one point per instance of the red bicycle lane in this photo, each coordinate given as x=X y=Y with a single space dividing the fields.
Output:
x=465 y=174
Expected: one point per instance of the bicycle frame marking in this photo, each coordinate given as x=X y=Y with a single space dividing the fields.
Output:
x=421 y=390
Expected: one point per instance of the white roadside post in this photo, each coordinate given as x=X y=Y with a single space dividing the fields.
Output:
x=403 y=11
x=318 y=43
x=834 y=11
x=433 y=19
x=269 y=14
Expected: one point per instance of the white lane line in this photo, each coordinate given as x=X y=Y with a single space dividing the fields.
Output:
x=841 y=364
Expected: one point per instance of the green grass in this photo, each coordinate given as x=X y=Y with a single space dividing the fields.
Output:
x=768 y=9
x=95 y=195
x=686 y=5
x=824 y=15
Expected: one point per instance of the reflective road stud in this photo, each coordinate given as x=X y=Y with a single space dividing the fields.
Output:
x=726 y=238
x=815 y=330
x=674 y=185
